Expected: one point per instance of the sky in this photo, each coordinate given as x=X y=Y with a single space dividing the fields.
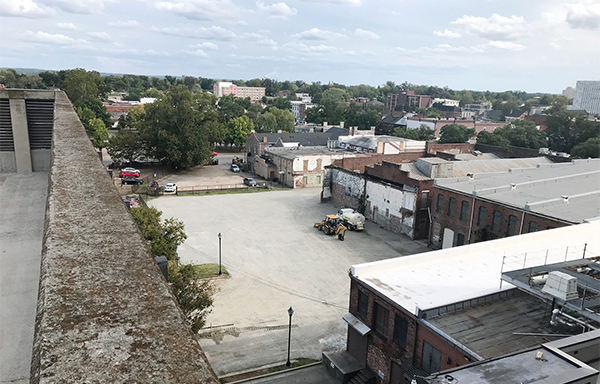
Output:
x=496 y=45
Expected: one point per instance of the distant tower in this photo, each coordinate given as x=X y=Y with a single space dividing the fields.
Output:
x=587 y=96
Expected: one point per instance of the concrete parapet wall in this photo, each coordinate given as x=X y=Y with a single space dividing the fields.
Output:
x=105 y=313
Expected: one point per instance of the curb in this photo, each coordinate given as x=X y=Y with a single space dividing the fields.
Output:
x=249 y=380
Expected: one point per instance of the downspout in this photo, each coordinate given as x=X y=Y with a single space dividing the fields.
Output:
x=522 y=221
x=471 y=222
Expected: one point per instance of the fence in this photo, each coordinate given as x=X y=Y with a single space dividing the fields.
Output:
x=220 y=187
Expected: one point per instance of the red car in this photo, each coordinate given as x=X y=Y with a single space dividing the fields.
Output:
x=127 y=173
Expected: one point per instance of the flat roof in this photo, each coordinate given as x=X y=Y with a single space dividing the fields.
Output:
x=306 y=151
x=489 y=329
x=433 y=279
x=541 y=189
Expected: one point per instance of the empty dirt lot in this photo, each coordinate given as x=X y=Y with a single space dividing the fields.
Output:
x=276 y=260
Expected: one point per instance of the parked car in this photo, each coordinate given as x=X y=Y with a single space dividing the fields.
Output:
x=171 y=187
x=153 y=186
x=250 y=182
x=131 y=180
x=131 y=170
x=234 y=168
x=127 y=173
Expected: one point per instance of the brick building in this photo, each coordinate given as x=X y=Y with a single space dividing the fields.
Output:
x=421 y=314
x=483 y=207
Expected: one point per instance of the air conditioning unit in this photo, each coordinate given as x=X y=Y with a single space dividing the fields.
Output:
x=561 y=285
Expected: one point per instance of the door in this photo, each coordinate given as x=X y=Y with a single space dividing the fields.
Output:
x=397 y=376
x=432 y=358
x=448 y=239
x=357 y=346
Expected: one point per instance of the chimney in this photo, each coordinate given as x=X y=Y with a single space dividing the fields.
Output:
x=341 y=124
x=324 y=123
x=264 y=139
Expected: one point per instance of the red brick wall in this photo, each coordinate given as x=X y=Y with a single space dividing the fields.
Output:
x=451 y=356
x=381 y=351
x=432 y=147
x=462 y=227
x=359 y=163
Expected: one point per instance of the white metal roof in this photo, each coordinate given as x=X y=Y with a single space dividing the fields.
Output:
x=433 y=279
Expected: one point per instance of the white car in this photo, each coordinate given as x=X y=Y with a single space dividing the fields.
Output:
x=171 y=187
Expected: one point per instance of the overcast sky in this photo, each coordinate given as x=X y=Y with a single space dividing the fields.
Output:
x=529 y=45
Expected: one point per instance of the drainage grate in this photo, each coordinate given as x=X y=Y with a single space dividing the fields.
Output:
x=40 y=120
x=7 y=142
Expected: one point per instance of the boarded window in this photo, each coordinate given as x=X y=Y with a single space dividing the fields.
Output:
x=400 y=331
x=496 y=219
x=432 y=359
x=380 y=319
x=440 y=204
x=512 y=225
x=424 y=200
x=451 y=207
x=464 y=210
x=533 y=226
x=481 y=216
x=460 y=239
x=363 y=303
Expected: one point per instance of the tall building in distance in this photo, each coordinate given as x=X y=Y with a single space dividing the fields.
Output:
x=224 y=88
x=587 y=96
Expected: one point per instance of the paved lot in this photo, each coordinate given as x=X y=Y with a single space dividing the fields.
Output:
x=22 y=210
x=276 y=260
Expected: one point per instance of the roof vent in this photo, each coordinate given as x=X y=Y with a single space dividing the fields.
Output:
x=561 y=285
x=513 y=186
x=565 y=199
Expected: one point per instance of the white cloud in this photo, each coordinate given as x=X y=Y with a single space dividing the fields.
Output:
x=156 y=53
x=200 y=9
x=344 y=2
x=300 y=47
x=206 y=45
x=100 y=35
x=44 y=37
x=78 y=6
x=366 y=34
x=67 y=26
x=555 y=46
x=496 y=27
x=277 y=10
x=23 y=8
x=210 y=33
x=447 y=33
x=197 y=52
x=124 y=24
x=317 y=34
x=260 y=39
x=584 y=15
x=507 y=45
x=351 y=53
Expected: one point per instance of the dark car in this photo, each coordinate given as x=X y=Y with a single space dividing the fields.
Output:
x=131 y=180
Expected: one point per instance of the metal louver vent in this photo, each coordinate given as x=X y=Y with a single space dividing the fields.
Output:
x=7 y=143
x=40 y=120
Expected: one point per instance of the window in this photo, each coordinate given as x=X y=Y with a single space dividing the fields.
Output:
x=451 y=206
x=481 y=216
x=512 y=225
x=424 y=199
x=400 y=331
x=432 y=359
x=533 y=226
x=440 y=204
x=464 y=210
x=460 y=239
x=380 y=319
x=363 y=303
x=496 y=221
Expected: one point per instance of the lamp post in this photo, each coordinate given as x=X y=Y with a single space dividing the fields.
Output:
x=219 y=253
x=290 y=312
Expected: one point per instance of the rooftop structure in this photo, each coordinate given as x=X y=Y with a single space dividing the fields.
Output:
x=569 y=191
x=380 y=144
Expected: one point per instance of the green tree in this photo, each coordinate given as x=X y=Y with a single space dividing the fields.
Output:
x=163 y=236
x=81 y=86
x=194 y=295
x=85 y=115
x=423 y=133
x=284 y=119
x=99 y=133
x=281 y=103
x=518 y=133
x=565 y=130
x=125 y=147
x=229 y=108
x=589 y=148
x=489 y=138
x=238 y=130
x=181 y=127
x=455 y=133
x=266 y=122
x=136 y=116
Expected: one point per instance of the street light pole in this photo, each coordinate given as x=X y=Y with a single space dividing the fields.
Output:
x=219 y=253
x=290 y=312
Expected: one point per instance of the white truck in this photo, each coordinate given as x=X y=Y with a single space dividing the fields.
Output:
x=351 y=219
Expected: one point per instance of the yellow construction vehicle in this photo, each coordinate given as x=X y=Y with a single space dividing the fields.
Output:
x=332 y=225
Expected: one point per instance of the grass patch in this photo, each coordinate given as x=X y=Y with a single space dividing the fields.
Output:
x=259 y=372
x=210 y=270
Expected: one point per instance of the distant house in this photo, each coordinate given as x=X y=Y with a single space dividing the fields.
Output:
x=538 y=120
x=514 y=115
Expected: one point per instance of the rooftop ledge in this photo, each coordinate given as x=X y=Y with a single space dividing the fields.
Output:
x=105 y=314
